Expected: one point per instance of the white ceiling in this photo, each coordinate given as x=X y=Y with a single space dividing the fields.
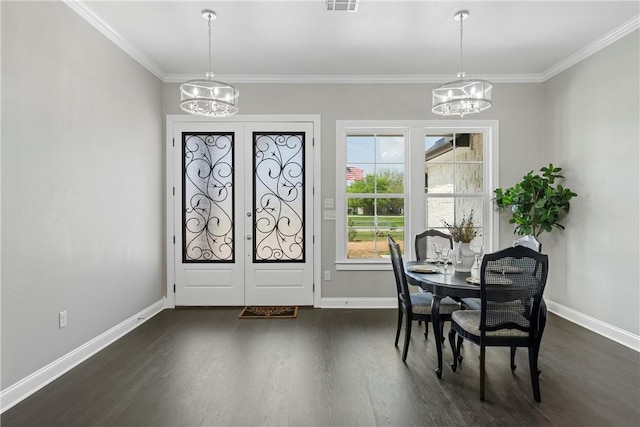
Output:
x=385 y=40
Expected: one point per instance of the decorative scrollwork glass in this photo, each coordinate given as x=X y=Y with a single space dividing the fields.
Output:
x=207 y=197
x=278 y=202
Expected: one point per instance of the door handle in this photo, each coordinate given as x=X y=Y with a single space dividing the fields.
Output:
x=249 y=237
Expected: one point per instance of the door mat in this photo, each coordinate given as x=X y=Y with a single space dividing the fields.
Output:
x=269 y=312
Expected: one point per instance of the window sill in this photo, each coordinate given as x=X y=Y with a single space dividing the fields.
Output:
x=381 y=265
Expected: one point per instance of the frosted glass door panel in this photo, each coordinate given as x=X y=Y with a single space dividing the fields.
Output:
x=278 y=197
x=207 y=198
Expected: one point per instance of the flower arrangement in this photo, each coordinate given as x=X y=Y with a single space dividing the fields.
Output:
x=462 y=231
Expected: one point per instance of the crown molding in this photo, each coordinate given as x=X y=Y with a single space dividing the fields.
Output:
x=97 y=22
x=609 y=38
x=93 y=19
x=351 y=79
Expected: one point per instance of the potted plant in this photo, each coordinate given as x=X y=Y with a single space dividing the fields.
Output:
x=537 y=203
x=463 y=233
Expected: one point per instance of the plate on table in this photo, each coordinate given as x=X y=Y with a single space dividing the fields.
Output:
x=507 y=269
x=423 y=269
x=473 y=280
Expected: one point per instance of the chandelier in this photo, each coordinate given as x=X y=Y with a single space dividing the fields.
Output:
x=462 y=96
x=208 y=97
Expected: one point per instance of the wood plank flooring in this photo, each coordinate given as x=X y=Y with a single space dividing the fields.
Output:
x=206 y=367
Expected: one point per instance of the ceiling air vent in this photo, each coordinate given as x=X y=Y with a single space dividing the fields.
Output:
x=342 y=5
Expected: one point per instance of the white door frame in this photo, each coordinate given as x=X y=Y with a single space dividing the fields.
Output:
x=171 y=120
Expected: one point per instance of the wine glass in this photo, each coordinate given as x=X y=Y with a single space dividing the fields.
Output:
x=446 y=255
x=477 y=248
x=437 y=248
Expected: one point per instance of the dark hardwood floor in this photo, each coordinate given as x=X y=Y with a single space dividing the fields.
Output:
x=205 y=367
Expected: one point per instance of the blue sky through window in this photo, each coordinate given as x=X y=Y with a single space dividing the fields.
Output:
x=364 y=151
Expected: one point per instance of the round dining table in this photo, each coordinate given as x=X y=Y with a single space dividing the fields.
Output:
x=432 y=278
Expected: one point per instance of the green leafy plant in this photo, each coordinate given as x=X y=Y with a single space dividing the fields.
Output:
x=462 y=231
x=537 y=203
x=351 y=235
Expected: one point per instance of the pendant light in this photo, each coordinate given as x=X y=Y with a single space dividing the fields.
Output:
x=208 y=97
x=462 y=96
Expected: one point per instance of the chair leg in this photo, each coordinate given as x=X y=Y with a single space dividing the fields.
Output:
x=533 y=371
x=459 y=346
x=542 y=321
x=482 y=371
x=513 y=359
x=399 y=326
x=442 y=332
x=407 y=337
x=454 y=349
x=426 y=329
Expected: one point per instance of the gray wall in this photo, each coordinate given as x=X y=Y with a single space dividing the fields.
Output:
x=517 y=106
x=82 y=185
x=591 y=122
x=82 y=177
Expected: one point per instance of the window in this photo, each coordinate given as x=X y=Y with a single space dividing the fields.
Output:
x=454 y=179
x=402 y=177
x=374 y=186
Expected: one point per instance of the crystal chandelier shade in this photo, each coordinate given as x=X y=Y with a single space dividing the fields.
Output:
x=209 y=97
x=462 y=96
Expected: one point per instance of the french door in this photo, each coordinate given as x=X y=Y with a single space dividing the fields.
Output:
x=243 y=213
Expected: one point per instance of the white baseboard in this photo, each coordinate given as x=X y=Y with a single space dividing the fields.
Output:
x=359 y=302
x=599 y=327
x=602 y=328
x=22 y=389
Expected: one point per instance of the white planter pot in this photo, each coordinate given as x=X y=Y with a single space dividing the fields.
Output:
x=528 y=241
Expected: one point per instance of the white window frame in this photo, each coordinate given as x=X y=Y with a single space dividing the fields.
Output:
x=414 y=195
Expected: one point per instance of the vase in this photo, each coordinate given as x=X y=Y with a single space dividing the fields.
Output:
x=464 y=256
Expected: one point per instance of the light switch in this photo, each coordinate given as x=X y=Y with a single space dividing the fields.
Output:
x=329 y=215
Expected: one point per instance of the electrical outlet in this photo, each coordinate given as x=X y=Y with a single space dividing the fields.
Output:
x=327 y=275
x=62 y=319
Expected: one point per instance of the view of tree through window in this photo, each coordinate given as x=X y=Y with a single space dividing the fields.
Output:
x=375 y=184
x=401 y=178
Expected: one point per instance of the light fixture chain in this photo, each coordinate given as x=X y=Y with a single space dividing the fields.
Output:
x=210 y=69
x=461 y=44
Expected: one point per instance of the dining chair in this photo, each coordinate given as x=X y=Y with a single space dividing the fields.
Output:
x=474 y=303
x=413 y=306
x=424 y=243
x=526 y=241
x=511 y=285
x=424 y=250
